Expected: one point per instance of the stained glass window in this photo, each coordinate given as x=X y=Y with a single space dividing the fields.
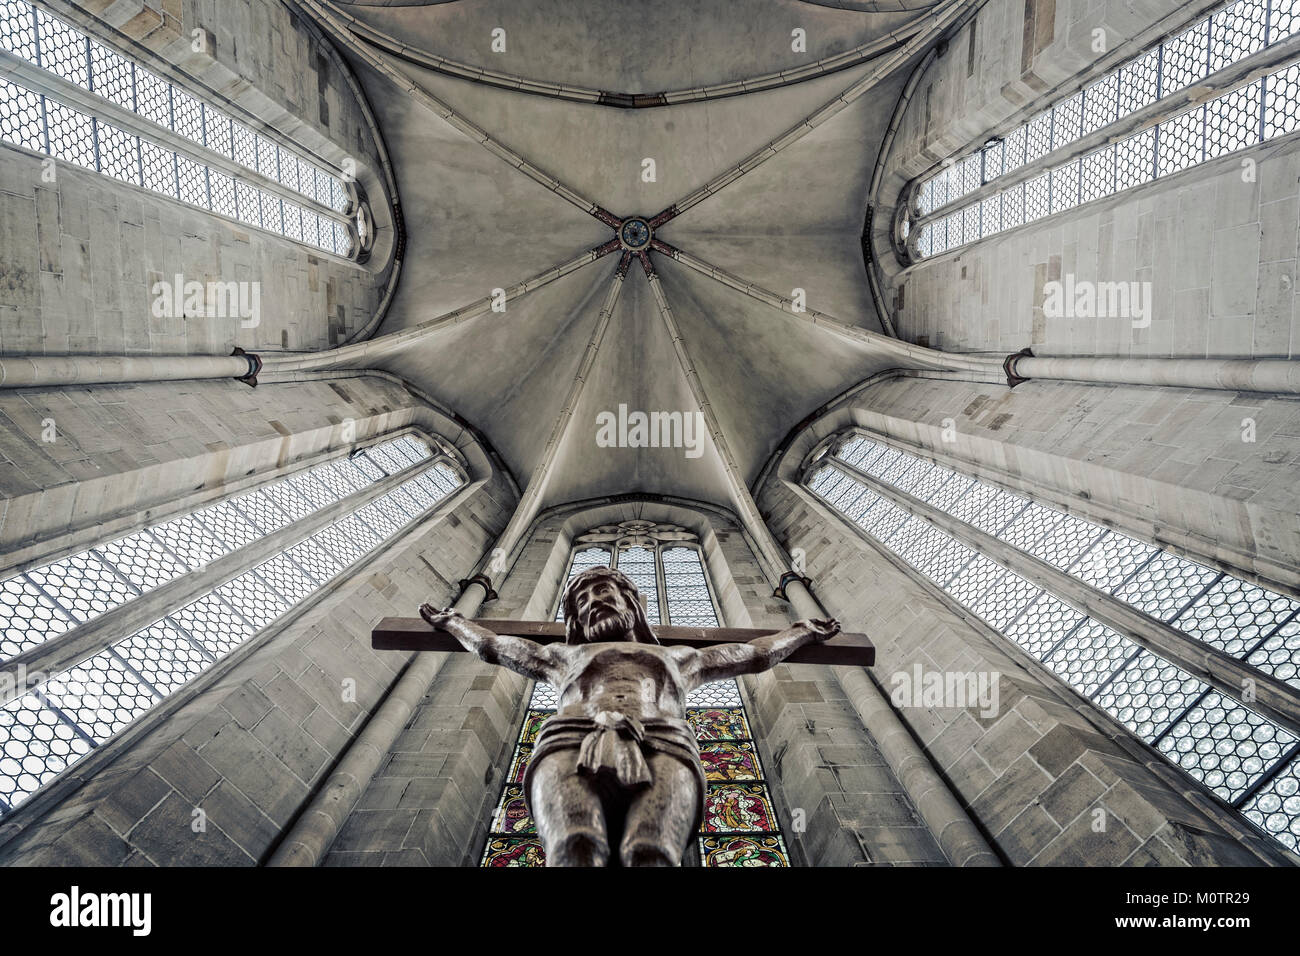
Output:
x=1240 y=755
x=740 y=825
x=1261 y=110
x=46 y=728
x=40 y=122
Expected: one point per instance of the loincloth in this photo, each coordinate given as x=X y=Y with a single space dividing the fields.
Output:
x=612 y=746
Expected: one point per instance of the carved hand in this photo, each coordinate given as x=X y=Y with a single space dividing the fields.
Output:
x=821 y=630
x=439 y=618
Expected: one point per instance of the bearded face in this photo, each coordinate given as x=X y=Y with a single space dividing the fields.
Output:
x=604 y=610
x=602 y=605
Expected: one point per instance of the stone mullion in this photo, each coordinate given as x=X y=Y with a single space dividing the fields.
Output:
x=1264 y=637
x=1240 y=73
x=1275 y=698
x=1266 y=778
x=857 y=474
x=65 y=91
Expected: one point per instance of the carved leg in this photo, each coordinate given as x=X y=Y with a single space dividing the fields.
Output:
x=660 y=819
x=568 y=812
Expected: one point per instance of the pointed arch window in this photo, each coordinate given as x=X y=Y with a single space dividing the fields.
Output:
x=70 y=681
x=1011 y=180
x=1222 y=741
x=68 y=96
x=741 y=826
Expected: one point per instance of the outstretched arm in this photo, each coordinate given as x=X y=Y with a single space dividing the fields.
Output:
x=517 y=653
x=732 y=660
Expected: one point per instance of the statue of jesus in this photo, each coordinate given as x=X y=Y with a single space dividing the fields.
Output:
x=615 y=777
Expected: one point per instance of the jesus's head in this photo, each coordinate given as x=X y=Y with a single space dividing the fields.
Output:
x=602 y=604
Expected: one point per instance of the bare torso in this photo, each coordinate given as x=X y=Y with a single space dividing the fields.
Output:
x=639 y=680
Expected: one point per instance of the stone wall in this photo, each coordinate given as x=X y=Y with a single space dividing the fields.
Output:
x=1013 y=59
x=1207 y=474
x=1035 y=770
x=123 y=455
x=248 y=742
x=79 y=256
x=1218 y=251
x=1218 y=248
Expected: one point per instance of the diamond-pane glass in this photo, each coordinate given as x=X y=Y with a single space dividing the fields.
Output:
x=1043 y=625
x=1235 y=616
x=82 y=585
x=48 y=42
x=141 y=560
x=119 y=154
x=27 y=617
x=1279 y=655
x=159 y=167
x=36 y=745
x=1220 y=742
x=213 y=624
x=686 y=589
x=18 y=29
x=1187 y=58
x=286 y=579
x=256 y=602
x=98 y=697
x=163 y=656
x=260 y=511
x=1182 y=142
x=1275 y=807
x=320 y=565
x=1112 y=560
x=1090 y=655
x=21 y=121
x=72 y=134
x=1165 y=585
x=228 y=525
x=1224 y=745
x=192 y=181
x=1000 y=604
x=639 y=565
x=1229 y=122
x=1149 y=693
x=63 y=49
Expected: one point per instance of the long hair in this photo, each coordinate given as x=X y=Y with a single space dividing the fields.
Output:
x=641 y=632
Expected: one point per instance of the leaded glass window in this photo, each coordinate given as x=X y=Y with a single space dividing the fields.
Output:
x=740 y=825
x=38 y=121
x=1256 y=112
x=46 y=728
x=1240 y=755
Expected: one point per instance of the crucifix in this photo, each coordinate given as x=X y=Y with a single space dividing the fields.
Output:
x=615 y=778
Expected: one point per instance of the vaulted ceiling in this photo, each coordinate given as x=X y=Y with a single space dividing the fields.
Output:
x=475 y=223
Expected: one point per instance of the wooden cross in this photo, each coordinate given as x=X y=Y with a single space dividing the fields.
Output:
x=416 y=634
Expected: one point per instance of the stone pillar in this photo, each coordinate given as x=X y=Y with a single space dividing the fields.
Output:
x=310 y=836
x=958 y=837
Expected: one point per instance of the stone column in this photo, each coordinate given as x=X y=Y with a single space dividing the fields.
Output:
x=958 y=837
x=310 y=836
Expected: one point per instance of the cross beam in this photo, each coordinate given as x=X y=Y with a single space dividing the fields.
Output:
x=416 y=634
